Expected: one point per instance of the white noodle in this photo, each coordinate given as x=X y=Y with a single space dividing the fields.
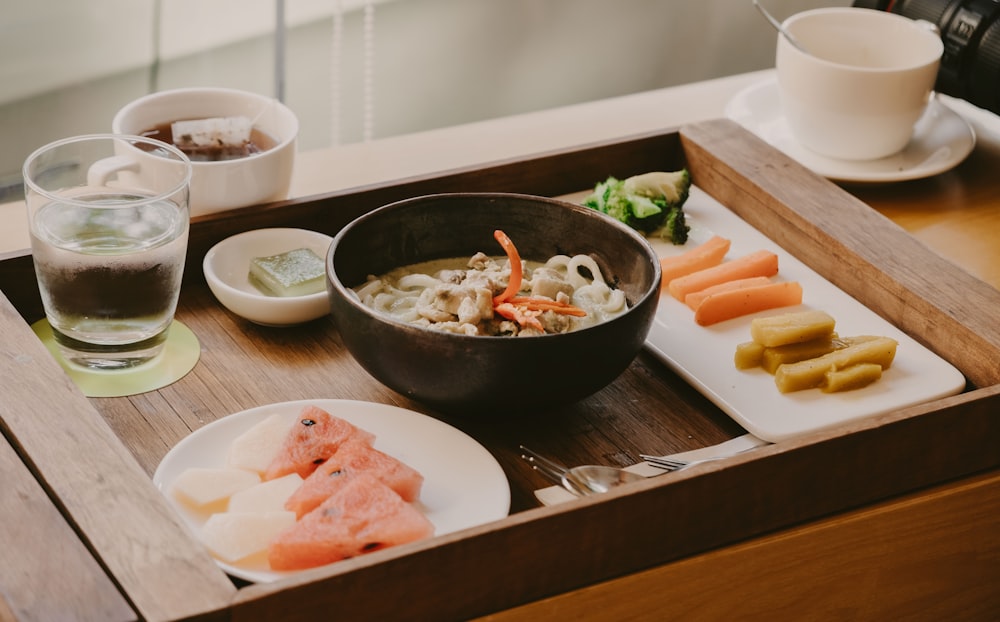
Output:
x=423 y=281
x=425 y=294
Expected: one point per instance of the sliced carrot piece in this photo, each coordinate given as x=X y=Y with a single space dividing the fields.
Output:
x=524 y=317
x=705 y=255
x=545 y=304
x=514 y=284
x=758 y=263
x=694 y=299
x=739 y=302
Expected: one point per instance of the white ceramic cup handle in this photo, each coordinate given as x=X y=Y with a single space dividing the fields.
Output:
x=100 y=171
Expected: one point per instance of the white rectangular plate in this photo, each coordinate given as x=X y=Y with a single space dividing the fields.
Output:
x=703 y=355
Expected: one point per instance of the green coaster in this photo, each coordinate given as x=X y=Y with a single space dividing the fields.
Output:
x=180 y=354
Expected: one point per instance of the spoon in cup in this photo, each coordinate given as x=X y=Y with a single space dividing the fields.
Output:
x=781 y=29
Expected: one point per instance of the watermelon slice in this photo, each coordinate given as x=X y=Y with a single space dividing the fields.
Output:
x=354 y=456
x=315 y=437
x=363 y=516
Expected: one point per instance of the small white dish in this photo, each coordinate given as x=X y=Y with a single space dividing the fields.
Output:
x=941 y=139
x=227 y=269
x=464 y=485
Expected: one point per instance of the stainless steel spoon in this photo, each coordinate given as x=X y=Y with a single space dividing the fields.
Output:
x=588 y=479
x=777 y=25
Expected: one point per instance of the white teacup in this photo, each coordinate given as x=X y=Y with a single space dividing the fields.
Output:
x=223 y=184
x=866 y=80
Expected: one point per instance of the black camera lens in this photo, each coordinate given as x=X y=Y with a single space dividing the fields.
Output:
x=970 y=31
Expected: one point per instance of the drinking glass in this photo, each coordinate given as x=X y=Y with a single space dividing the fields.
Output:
x=108 y=239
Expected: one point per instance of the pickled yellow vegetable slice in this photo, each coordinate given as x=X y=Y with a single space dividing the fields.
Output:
x=748 y=355
x=850 y=378
x=811 y=373
x=772 y=358
x=795 y=327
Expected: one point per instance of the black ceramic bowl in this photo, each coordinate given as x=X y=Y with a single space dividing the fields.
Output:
x=475 y=375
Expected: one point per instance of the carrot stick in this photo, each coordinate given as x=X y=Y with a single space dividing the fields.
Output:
x=694 y=299
x=514 y=283
x=759 y=263
x=523 y=317
x=545 y=304
x=738 y=302
x=705 y=255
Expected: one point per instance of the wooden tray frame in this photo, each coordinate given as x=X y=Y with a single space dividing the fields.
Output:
x=164 y=574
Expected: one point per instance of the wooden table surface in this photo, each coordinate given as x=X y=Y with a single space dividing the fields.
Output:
x=956 y=214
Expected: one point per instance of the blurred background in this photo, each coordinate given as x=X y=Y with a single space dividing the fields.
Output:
x=356 y=70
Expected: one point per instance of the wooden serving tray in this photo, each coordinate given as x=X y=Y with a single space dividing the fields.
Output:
x=93 y=457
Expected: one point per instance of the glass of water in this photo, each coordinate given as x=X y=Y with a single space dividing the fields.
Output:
x=108 y=238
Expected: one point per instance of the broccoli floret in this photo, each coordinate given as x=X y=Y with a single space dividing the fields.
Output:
x=676 y=227
x=638 y=212
x=650 y=203
x=599 y=198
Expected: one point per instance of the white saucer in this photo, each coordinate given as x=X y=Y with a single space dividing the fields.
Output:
x=941 y=139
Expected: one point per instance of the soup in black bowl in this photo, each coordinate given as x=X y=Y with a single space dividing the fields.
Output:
x=482 y=374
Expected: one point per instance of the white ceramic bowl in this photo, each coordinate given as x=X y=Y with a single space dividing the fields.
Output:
x=227 y=268
x=225 y=184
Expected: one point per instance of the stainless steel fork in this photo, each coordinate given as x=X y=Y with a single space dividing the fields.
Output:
x=673 y=464
x=732 y=447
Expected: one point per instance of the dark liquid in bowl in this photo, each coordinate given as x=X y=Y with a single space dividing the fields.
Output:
x=259 y=141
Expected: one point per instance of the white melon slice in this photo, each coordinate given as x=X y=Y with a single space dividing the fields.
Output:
x=267 y=496
x=200 y=486
x=232 y=536
x=256 y=448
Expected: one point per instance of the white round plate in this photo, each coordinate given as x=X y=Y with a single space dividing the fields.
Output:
x=941 y=139
x=464 y=486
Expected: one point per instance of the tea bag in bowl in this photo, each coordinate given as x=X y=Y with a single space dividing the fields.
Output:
x=220 y=136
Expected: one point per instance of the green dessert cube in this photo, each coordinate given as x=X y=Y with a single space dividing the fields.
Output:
x=296 y=273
